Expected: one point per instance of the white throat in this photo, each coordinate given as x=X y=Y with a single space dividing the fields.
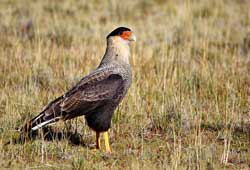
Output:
x=118 y=50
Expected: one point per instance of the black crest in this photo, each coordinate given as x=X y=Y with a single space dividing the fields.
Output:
x=118 y=31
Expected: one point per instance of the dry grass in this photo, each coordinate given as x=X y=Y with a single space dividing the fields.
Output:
x=188 y=107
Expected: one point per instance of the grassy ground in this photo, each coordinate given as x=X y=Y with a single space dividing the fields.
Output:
x=189 y=104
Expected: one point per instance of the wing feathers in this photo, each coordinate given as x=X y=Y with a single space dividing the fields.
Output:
x=90 y=93
x=103 y=88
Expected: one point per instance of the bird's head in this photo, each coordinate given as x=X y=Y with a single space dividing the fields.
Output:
x=118 y=49
x=123 y=34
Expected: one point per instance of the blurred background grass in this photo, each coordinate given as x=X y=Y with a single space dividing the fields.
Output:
x=189 y=104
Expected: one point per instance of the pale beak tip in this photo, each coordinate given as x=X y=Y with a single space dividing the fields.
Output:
x=133 y=37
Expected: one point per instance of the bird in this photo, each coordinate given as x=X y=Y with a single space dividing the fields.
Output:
x=97 y=95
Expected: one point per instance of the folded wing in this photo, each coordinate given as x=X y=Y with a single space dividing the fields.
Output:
x=90 y=94
x=93 y=93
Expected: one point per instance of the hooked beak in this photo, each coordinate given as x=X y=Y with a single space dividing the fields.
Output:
x=132 y=37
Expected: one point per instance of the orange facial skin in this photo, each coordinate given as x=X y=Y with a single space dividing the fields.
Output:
x=126 y=35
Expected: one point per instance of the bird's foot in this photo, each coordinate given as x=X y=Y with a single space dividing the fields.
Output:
x=106 y=141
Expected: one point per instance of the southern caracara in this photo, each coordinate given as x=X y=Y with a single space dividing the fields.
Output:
x=98 y=94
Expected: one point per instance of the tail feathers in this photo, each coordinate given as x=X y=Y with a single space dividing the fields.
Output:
x=51 y=114
x=28 y=131
x=42 y=120
x=39 y=124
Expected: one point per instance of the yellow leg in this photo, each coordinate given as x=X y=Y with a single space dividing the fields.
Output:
x=98 y=141
x=106 y=142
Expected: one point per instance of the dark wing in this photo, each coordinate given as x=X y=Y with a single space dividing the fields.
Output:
x=92 y=92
